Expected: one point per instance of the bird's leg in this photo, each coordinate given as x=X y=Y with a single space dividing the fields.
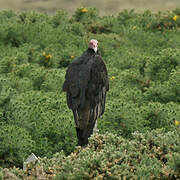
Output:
x=97 y=113
x=95 y=129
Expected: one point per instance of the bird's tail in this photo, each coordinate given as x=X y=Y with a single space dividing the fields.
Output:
x=84 y=134
x=85 y=119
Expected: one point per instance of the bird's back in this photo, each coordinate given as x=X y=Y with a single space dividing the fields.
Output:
x=77 y=78
x=86 y=83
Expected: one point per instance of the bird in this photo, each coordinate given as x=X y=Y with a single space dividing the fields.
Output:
x=86 y=85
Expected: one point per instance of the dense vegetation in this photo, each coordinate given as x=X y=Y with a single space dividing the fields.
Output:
x=142 y=54
x=151 y=155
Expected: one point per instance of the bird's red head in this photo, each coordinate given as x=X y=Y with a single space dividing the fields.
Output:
x=93 y=44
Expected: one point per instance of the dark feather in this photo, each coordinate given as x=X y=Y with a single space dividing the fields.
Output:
x=86 y=84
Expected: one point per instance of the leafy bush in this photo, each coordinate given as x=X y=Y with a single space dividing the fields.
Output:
x=161 y=67
x=150 y=155
x=41 y=114
x=16 y=143
x=141 y=51
x=85 y=15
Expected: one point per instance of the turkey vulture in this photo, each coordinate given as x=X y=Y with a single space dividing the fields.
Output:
x=86 y=83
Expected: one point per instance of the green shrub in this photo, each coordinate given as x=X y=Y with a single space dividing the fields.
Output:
x=43 y=116
x=16 y=143
x=85 y=15
x=6 y=91
x=150 y=155
x=160 y=67
x=141 y=51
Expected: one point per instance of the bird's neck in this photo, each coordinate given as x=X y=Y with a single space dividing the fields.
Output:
x=92 y=52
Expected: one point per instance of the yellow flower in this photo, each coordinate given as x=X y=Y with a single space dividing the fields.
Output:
x=176 y=122
x=72 y=57
x=113 y=77
x=175 y=18
x=49 y=56
x=84 y=10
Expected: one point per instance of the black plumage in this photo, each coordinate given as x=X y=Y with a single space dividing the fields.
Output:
x=86 y=84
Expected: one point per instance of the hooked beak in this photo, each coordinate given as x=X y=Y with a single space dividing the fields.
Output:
x=95 y=49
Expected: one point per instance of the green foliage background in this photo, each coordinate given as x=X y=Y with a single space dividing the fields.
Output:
x=142 y=54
